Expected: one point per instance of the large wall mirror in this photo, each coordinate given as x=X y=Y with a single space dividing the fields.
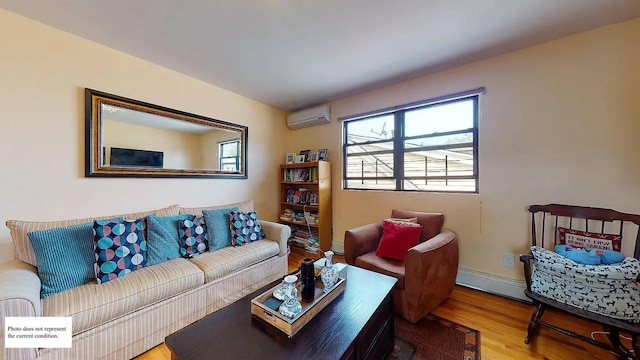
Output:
x=130 y=138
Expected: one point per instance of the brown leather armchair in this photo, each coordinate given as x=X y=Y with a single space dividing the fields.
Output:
x=428 y=273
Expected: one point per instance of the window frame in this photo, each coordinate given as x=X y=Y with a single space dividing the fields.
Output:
x=398 y=140
x=221 y=157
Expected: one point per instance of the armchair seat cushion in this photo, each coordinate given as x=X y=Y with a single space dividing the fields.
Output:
x=391 y=267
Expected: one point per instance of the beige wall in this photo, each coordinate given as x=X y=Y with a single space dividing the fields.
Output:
x=180 y=150
x=560 y=122
x=43 y=74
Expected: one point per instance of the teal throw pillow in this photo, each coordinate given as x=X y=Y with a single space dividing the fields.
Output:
x=218 y=227
x=163 y=241
x=65 y=257
x=120 y=248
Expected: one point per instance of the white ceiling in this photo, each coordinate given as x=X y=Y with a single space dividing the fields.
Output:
x=296 y=53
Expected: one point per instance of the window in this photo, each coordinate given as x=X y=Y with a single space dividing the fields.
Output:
x=429 y=146
x=229 y=155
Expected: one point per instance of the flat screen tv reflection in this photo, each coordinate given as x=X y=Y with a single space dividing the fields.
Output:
x=133 y=157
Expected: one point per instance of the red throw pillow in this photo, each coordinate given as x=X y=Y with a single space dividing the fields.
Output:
x=585 y=239
x=397 y=240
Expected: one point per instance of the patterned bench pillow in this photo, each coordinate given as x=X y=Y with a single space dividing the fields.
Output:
x=610 y=290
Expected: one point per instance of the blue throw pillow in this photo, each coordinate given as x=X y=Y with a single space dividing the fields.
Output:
x=611 y=257
x=193 y=240
x=218 y=227
x=578 y=255
x=65 y=257
x=163 y=241
x=120 y=248
x=586 y=256
x=244 y=227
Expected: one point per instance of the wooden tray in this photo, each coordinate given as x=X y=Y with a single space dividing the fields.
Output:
x=309 y=309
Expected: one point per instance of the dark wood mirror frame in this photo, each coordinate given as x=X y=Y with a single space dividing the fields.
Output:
x=155 y=160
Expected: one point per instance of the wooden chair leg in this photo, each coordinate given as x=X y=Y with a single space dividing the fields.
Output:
x=614 y=337
x=635 y=344
x=533 y=322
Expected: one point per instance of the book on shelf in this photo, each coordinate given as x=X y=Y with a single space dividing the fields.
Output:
x=312 y=198
x=305 y=238
x=300 y=196
x=301 y=217
x=301 y=175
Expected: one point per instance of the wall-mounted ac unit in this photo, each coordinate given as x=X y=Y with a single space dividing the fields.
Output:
x=309 y=117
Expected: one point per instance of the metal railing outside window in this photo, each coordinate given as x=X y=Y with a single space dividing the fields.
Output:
x=423 y=146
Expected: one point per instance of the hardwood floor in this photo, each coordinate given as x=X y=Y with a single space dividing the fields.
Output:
x=502 y=324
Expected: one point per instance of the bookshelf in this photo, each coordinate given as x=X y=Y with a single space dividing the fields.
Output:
x=306 y=187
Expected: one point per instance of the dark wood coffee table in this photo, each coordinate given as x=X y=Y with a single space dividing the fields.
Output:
x=358 y=324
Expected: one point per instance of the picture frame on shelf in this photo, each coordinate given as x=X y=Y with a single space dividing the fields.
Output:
x=305 y=153
x=291 y=158
x=300 y=158
x=323 y=155
x=313 y=156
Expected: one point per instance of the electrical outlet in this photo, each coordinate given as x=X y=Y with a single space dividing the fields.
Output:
x=509 y=260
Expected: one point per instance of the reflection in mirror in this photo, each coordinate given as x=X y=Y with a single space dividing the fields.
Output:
x=130 y=138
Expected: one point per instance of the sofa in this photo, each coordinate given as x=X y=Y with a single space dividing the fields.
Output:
x=426 y=270
x=126 y=316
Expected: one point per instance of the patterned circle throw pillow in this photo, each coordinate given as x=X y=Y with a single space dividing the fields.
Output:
x=120 y=248
x=244 y=227
x=193 y=241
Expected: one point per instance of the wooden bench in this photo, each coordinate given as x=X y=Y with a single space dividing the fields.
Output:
x=545 y=221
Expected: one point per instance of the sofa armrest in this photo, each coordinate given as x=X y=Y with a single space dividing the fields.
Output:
x=431 y=268
x=277 y=232
x=361 y=240
x=19 y=284
x=19 y=296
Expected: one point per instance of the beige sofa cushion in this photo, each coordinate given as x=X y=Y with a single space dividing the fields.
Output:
x=244 y=206
x=19 y=229
x=91 y=304
x=228 y=260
